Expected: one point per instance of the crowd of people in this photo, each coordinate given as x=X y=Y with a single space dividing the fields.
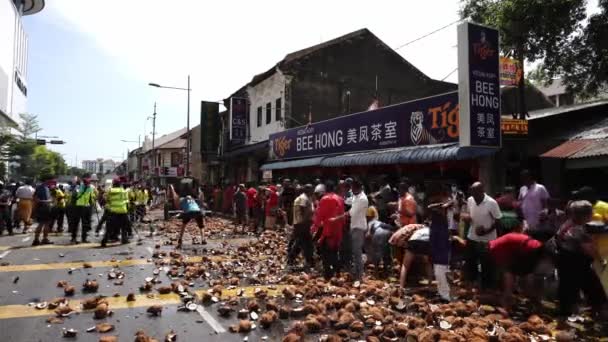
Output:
x=49 y=204
x=486 y=242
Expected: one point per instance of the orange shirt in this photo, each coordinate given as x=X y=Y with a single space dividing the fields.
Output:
x=407 y=204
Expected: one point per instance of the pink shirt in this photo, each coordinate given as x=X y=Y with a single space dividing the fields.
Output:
x=532 y=200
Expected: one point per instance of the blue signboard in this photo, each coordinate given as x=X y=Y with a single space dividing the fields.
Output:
x=430 y=120
x=479 y=86
x=238 y=121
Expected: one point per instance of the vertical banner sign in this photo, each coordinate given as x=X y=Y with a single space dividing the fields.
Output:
x=238 y=120
x=478 y=86
x=210 y=127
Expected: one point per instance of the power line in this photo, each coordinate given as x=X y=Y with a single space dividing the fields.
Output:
x=450 y=74
x=428 y=34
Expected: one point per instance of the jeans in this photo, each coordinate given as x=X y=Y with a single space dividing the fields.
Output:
x=477 y=253
x=357 y=239
x=302 y=241
x=345 y=254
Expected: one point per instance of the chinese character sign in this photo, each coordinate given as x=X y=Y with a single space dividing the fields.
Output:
x=426 y=121
x=238 y=120
x=479 y=86
x=510 y=71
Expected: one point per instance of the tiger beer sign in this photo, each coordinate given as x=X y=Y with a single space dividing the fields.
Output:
x=426 y=121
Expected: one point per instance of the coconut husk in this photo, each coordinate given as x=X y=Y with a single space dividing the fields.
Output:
x=90 y=303
x=109 y=339
x=104 y=327
x=268 y=318
x=253 y=305
x=90 y=286
x=69 y=290
x=164 y=289
x=62 y=283
x=101 y=311
x=224 y=310
x=292 y=337
x=63 y=310
x=155 y=310
x=54 y=320
x=131 y=297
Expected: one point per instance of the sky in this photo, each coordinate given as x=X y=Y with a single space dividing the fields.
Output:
x=90 y=62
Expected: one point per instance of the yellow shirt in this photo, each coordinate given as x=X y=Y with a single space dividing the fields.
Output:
x=600 y=210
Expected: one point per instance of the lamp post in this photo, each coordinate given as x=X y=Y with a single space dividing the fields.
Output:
x=187 y=89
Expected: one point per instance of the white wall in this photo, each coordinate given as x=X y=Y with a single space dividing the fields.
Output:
x=262 y=93
x=13 y=58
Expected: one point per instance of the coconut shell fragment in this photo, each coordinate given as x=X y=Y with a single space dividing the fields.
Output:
x=109 y=339
x=104 y=327
x=155 y=310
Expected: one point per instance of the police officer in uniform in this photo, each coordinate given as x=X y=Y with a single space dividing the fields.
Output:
x=117 y=200
x=83 y=201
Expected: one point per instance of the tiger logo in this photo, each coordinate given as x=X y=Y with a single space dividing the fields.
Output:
x=418 y=134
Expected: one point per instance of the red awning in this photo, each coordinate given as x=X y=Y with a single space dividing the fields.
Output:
x=567 y=149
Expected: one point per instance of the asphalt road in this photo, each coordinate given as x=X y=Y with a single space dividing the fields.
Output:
x=29 y=275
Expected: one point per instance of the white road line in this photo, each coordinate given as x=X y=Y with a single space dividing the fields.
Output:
x=4 y=254
x=26 y=239
x=219 y=329
x=150 y=250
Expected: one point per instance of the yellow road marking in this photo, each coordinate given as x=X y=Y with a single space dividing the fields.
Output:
x=61 y=246
x=236 y=241
x=142 y=300
x=93 y=264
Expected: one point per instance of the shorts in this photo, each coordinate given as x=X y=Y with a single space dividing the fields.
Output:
x=419 y=247
x=193 y=215
x=43 y=213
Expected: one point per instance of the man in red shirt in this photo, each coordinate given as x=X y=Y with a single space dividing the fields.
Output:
x=251 y=202
x=272 y=207
x=518 y=255
x=329 y=229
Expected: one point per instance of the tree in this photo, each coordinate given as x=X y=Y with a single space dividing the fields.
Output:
x=529 y=29
x=76 y=171
x=45 y=162
x=29 y=126
x=583 y=65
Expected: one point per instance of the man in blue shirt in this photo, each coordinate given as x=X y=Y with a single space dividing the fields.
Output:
x=42 y=205
x=191 y=211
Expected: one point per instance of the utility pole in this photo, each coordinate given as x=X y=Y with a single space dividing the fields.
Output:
x=153 y=135
x=187 y=173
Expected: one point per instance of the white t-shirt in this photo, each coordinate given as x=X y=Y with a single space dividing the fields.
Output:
x=25 y=192
x=483 y=215
x=357 y=212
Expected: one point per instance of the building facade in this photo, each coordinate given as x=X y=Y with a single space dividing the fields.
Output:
x=99 y=165
x=14 y=58
x=338 y=77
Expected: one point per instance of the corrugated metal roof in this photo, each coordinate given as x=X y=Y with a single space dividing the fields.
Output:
x=408 y=155
x=596 y=148
x=292 y=164
x=545 y=112
x=598 y=130
x=567 y=149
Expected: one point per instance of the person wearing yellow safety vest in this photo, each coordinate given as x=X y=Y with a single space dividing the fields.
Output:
x=59 y=200
x=117 y=200
x=141 y=199
x=84 y=199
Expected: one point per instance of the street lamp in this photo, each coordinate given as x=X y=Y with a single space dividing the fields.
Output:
x=188 y=89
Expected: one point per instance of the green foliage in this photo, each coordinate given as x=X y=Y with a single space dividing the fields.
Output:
x=529 y=29
x=583 y=65
x=29 y=126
